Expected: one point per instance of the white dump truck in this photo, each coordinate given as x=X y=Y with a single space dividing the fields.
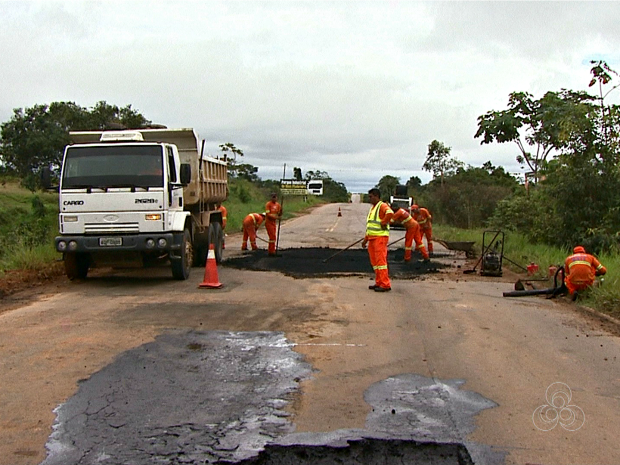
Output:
x=139 y=198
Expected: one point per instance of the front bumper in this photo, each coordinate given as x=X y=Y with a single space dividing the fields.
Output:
x=162 y=242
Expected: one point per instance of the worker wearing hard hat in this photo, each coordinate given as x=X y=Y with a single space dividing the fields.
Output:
x=273 y=212
x=413 y=232
x=251 y=224
x=377 y=236
x=580 y=270
x=423 y=217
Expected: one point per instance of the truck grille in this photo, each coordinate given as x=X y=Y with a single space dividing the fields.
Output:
x=116 y=228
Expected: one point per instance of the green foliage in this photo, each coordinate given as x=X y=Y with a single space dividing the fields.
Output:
x=28 y=224
x=246 y=197
x=439 y=162
x=387 y=184
x=467 y=198
x=35 y=137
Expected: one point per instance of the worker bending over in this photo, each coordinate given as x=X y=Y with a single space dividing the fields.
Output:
x=250 y=226
x=423 y=217
x=377 y=236
x=412 y=232
x=580 y=270
x=273 y=212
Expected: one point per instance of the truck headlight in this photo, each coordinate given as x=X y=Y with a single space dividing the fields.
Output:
x=70 y=219
x=161 y=242
x=153 y=217
x=72 y=246
x=150 y=243
x=62 y=246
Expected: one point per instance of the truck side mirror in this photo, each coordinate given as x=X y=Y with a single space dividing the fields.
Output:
x=186 y=173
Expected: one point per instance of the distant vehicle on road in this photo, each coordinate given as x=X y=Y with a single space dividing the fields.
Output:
x=315 y=187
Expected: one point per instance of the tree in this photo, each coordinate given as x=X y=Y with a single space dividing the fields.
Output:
x=387 y=184
x=230 y=154
x=246 y=171
x=601 y=74
x=35 y=137
x=297 y=174
x=537 y=127
x=414 y=183
x=438 y=161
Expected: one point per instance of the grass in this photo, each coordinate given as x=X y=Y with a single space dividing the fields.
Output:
x=518 y=249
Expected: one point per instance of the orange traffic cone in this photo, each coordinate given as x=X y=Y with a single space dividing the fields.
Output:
x=211 y=281
x=339 y=212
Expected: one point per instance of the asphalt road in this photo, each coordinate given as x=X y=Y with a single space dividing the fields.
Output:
x=130 y=366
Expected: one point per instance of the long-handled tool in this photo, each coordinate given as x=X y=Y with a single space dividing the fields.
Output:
x=340 y=251
x=515 y=263
x=397 y=240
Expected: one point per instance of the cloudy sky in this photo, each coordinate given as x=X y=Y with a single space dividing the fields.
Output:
x=356 y=89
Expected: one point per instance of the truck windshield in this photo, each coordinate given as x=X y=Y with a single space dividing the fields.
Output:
x=113 y=166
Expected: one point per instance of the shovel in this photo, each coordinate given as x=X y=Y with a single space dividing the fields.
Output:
x=340 y=251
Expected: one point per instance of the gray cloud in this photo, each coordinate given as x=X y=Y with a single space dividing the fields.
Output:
x=357 y=89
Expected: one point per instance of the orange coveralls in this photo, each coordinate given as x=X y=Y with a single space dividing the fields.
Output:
x=423 y=217
x=580 y=269
x=250 y=225
x=413 y=233
x=377 y=243
x=273 y=210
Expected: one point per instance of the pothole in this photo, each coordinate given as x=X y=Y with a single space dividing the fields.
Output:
x=363 y=452
x=316 y=262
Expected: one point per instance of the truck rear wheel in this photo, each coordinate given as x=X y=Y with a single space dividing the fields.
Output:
x=182 y=266
x=216 y=237
x=76 y=265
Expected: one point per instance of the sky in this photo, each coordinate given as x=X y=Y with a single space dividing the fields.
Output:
x=355 y=89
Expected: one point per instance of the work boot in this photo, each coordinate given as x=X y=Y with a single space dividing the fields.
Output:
x=574 y=296
x=372 y=287
x=244 y=247
x=382 y=289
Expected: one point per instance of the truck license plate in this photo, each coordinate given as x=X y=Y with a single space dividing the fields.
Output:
x=110 y=241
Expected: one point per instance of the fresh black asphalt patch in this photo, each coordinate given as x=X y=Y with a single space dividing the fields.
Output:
x=316 y=262
x=220 y=397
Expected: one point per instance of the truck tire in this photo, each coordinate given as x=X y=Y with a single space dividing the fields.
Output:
x=216 y=236
x=200 y=256
x=76 y=265
x=182 y=267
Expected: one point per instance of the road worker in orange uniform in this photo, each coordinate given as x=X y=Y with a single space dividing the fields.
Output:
x=580 y=270
x=250 y=226
x=273 y=212
x=413 y=232
x=423 y=217
x=377 y=236
x=222 y=209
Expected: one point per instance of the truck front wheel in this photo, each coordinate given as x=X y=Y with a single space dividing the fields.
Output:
x=76 y=265
x=183 y=265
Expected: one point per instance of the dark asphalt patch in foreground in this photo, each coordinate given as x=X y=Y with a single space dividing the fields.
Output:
x=315 y=262
x=220 y=397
